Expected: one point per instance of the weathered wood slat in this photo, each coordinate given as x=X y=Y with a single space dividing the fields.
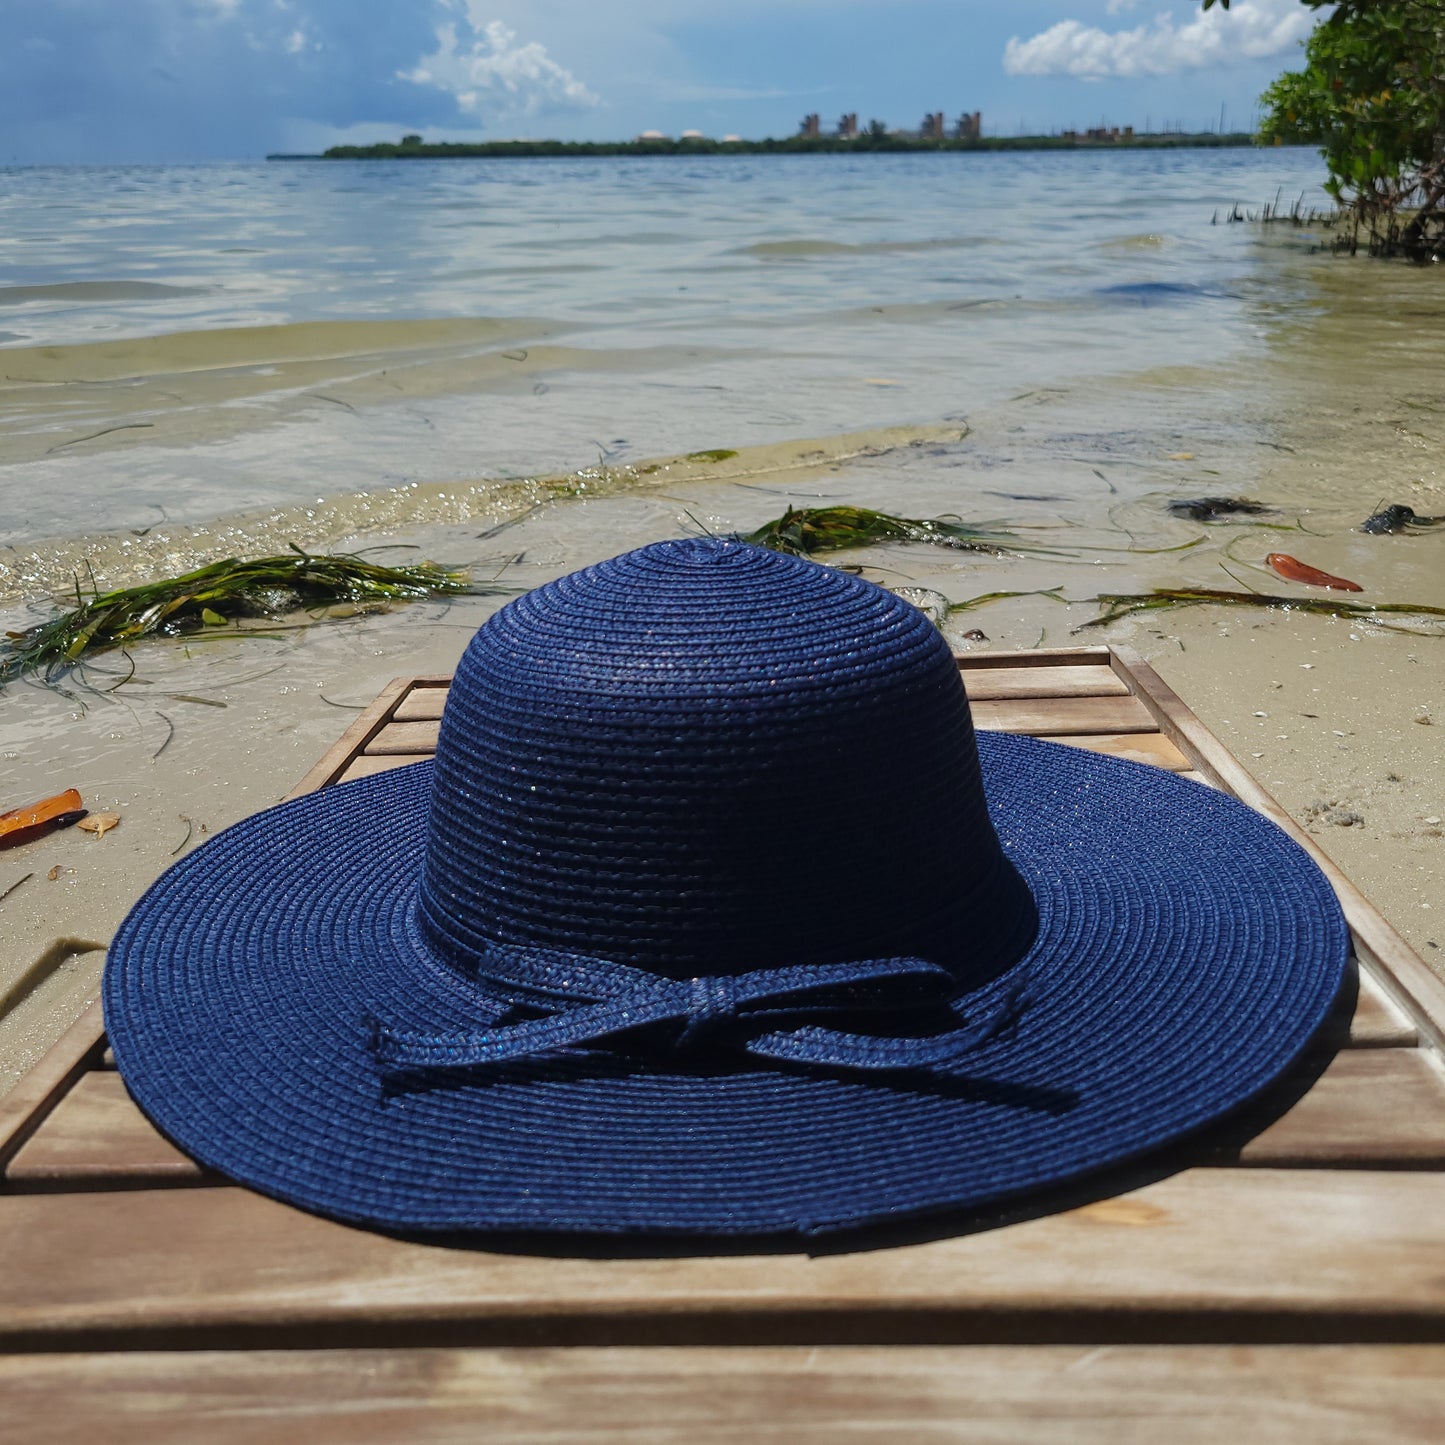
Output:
x=1072 y=679
x=1371 y=1108
x=1196 y=777
x=27 y=1105
x=1093 y=678
x=1380 y=1108
x=1207 y=1255
x=421 y=704
x=1377 y=1022
x=1087 y=680
x=671 y=1395
x=1050 y=717
x=96 y=1135
x=1404 y=977
x=1034 y=657
x=366 y=765
x=1152 y=748
x=403 y=737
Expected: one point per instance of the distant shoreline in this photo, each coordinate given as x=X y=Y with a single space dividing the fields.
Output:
x=790 y=145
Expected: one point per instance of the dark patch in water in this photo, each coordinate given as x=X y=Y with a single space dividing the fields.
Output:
x=1209 y=509
x=1397 y=518
x=96 y=291
x=1162 y=293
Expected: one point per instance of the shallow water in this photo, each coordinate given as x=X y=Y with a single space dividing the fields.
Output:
x=189 y=341
x=206 y=361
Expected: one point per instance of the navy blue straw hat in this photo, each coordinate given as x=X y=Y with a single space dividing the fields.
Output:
x=714 y=917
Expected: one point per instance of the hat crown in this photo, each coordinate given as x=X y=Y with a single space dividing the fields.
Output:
x=704 y=758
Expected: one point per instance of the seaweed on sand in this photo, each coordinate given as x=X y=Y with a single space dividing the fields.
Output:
x=212 y=596
x=1211 y=509
x=804 y=531
x=1122 y=604
x=1397 y=518
x=938 y=608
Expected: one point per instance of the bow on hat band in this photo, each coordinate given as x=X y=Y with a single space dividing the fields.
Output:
x=585 y=1001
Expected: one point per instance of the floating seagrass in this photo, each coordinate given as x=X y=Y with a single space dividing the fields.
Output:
x=938 y=608
x=1121 y=604
x=805 y=531
x=216 y=595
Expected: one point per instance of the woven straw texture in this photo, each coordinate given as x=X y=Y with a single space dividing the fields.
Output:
x=703 y=759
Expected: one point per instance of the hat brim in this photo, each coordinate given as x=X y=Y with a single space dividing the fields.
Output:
x=1187 y=951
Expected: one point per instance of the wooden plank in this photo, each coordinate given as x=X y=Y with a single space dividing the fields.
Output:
x=1049 y=717
x=1377 y=1022
x=1370 y=1108
x=1091 y=680
x=96 y=1136
x=1402 y=973
x=403 y=738
x=421 y=704
x=1034 y=657
x=334 y=762
x=25 y=1107
x=1152 y=748
x=365 y=766
x=1194 y=777
x=676 y=1395
x=1205 y=1256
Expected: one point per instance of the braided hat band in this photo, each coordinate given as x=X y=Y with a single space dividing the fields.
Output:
x=714 y=916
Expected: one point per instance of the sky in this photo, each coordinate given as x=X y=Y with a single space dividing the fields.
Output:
x=122 y=81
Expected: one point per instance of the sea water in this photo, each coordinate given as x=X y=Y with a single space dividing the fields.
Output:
x=179 y=343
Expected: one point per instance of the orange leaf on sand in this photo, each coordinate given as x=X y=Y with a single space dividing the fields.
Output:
x=99 y=823
x=1297 y=571
x=22 y=824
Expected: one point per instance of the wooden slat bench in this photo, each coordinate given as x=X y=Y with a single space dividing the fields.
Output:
x=1281 y=1277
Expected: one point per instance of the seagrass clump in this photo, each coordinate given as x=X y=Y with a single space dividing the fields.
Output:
x=806 y=531
x=216 y=596
x=1394 y=615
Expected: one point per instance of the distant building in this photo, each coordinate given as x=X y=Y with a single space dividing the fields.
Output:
x=970 y=125
x=809 y=126
x=693 y=135
x=848 y=126
x=932 y=128
x=652 y=135
x=729 y=139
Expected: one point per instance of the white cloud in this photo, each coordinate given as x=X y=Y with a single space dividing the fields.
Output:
x=1249 y=30
x=489 y=71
